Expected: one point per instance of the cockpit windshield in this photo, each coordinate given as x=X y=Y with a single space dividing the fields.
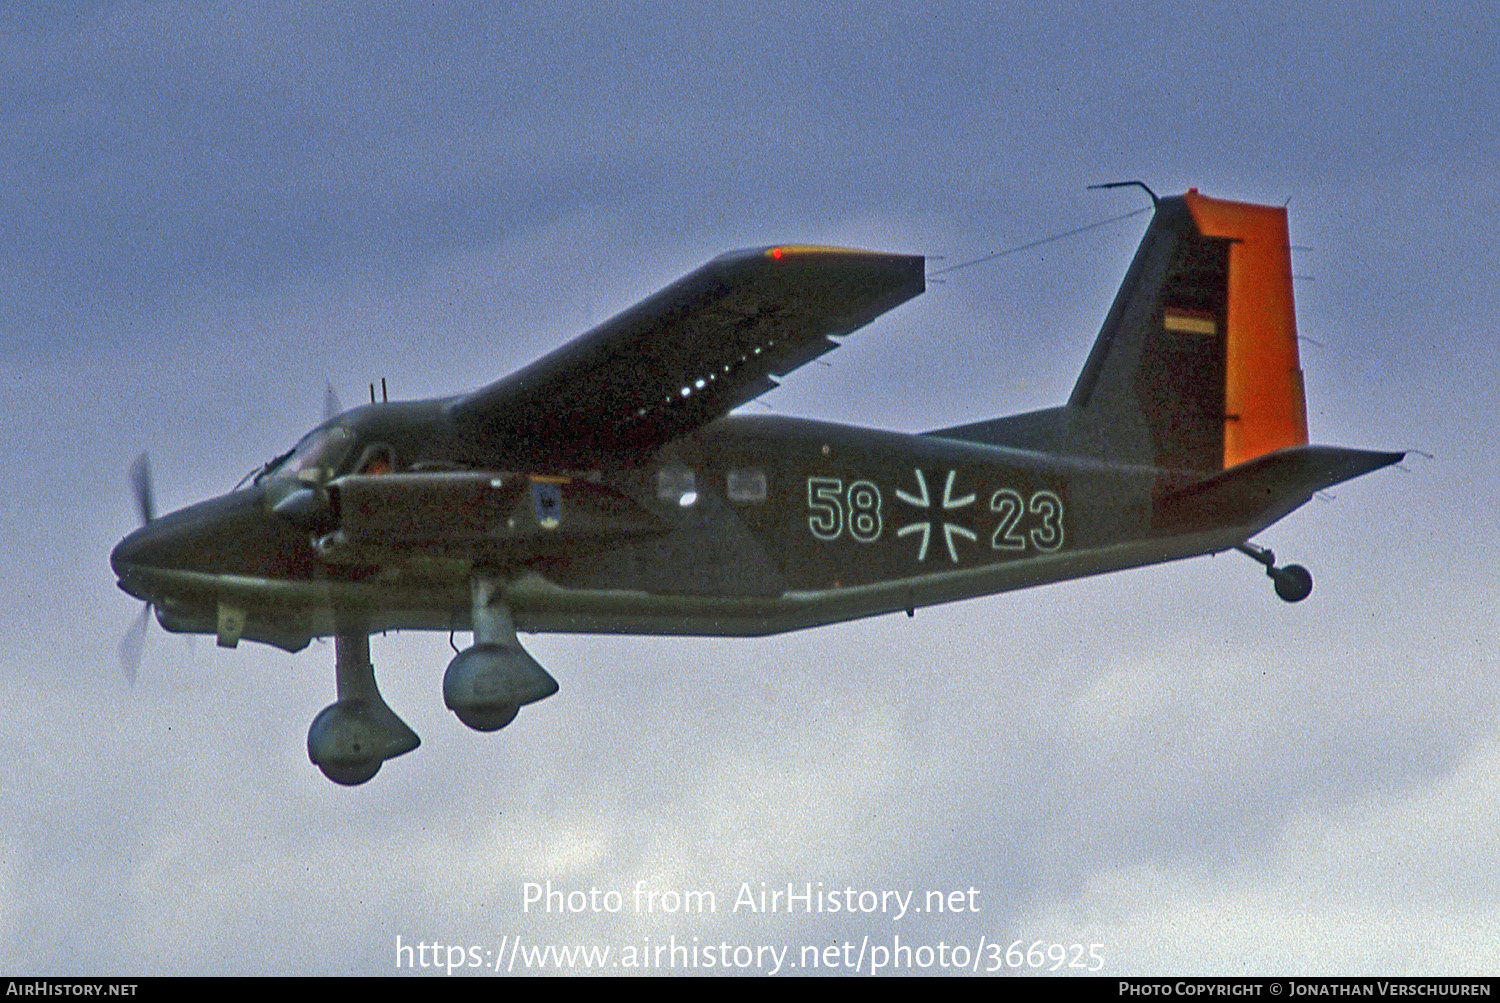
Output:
x=315 y=458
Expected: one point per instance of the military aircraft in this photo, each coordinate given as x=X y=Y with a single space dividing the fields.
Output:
x=607 y=488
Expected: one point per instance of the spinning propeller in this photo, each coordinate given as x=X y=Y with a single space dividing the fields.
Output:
x=140 y=483
x=135 y=635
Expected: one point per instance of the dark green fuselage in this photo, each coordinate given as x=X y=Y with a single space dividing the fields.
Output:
x=791 y=523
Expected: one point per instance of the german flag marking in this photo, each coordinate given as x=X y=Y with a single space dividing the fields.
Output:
x=1189 y=322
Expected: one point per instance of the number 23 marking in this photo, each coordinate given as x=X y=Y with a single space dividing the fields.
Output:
x=1046 y=506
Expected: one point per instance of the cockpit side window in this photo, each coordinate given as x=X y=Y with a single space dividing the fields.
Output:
x=317 y=456
x=376 y=460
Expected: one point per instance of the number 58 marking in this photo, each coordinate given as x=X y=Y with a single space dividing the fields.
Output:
x=832 y=509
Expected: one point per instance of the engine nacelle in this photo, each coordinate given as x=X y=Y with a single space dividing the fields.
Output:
x=486 y=685
x=349 y=740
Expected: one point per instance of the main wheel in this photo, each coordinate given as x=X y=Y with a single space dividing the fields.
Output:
x=487 y=718
x=350 y=774
x=1293 y=582
x=349 y=740
x=485 y=685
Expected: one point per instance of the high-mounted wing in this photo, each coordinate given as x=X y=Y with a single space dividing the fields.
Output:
x=689 y=354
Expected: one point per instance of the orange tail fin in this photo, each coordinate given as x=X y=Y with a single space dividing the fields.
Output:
x=1196 y=365
x=1264 y=405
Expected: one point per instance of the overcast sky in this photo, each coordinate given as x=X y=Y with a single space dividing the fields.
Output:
x=210 y=211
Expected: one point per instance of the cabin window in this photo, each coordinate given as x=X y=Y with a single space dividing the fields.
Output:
x=746 y=486
x=676 y=486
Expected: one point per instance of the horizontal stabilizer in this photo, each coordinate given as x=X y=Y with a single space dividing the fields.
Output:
x=1268 y=487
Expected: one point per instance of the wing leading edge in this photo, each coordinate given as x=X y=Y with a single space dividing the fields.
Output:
x=689 y=354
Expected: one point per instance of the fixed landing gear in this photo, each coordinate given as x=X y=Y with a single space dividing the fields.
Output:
x=351 y=738
x=487 y=684
x=1293 y=582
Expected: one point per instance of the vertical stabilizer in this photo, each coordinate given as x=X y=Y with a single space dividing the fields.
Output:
x=1196 y=365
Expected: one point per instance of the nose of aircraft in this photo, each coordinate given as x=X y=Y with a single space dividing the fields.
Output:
x=131 y=554
x=229 y=535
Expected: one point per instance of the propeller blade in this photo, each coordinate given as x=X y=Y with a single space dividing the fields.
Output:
x=132 y=643
x=140 y=482
x=331 y=406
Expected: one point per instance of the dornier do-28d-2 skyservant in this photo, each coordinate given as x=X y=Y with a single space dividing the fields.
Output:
x=606 y=487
